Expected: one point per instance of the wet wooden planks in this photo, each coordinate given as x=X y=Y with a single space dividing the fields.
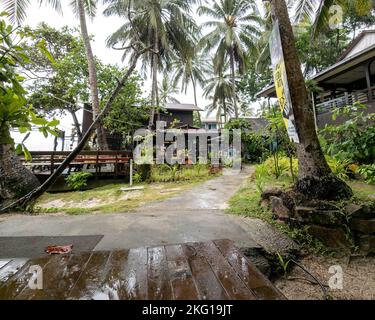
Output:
x=204 y=271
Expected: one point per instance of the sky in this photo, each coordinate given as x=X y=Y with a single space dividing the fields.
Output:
x=101 y=27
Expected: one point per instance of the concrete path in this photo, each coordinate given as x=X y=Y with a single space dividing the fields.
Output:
x=195 y=215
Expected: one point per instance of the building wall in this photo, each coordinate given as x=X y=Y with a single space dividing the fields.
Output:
x=185 y=117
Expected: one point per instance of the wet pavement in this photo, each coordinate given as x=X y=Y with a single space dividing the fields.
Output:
x=214 y=270
x=193 y=216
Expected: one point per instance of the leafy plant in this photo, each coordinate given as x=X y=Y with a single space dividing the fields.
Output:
x=137 y=177
x=284 y=264
x=339 y=167
x=354 y=139
x=368 y=172
x=78 y=180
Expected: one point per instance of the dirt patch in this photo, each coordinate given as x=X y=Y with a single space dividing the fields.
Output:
x=358 y=279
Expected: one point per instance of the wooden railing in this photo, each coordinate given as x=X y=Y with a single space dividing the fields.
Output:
x=346 y=99
x=98 y=162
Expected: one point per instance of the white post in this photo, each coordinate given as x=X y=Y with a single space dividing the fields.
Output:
x=131 y=172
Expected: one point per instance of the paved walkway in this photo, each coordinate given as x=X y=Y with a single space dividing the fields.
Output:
x=195 y=215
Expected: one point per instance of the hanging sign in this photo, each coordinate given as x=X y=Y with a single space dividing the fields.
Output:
x=281 y=82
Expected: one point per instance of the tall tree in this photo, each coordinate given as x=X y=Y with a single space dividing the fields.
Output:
x=164 y=25
x=218 y=88
x=235 y=30
x=315 y=178
x=18 y=11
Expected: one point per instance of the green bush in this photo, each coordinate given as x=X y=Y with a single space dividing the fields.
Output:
x=368 y=173
x=167 y=173
x=276 y=167
x=78 y=180
x=339 y=167
x=354 y=139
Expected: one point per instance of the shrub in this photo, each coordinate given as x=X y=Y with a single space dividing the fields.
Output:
x=341 y=168
x=78 y=180
x=353 y=140
x=276 y=167
x=167 y=173
x=367 y=172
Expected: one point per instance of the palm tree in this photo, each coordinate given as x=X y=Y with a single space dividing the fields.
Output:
x=219 y=89
x=190 y=69
x=17 y=10
x=167 y=89
x=315 y=178
x=235 y=30
x=166 y=26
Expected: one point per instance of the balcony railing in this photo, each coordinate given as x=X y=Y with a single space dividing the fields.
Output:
x=346 y=99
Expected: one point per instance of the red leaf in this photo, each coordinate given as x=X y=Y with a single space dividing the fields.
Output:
x=59 y=249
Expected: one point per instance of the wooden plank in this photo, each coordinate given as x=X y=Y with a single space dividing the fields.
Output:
x=9 y=268
x=247 y=271
x=180 y=275
x=18 y=281
x=207 y=284
x=91 y=277
x=4 y=262
x=158 y=285
x=59 y=277
x=126 y=278
x=229 y=279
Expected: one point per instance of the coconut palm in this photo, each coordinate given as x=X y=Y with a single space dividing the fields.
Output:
x=219 y=89
x=190 y=69
x=167 y=90
x=166 y=26
x=17 y=10
x=235 y=28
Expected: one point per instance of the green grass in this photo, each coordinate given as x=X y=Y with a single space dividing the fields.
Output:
x=109 y=199
x=166 y=173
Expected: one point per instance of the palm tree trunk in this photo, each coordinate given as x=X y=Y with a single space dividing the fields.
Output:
x=15 y=179
x=315 y=178
x=101 y=134
x=232 y=69
x=154 y=93
x=195 y=97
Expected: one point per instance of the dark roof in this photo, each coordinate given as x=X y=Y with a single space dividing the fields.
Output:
x=340 y=67
x=354 y=42
x=182 y=107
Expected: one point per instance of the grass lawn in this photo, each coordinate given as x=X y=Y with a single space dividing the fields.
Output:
x=109 y=199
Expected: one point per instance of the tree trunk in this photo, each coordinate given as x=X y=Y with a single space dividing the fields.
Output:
x=195 y=97
x=76 y=123
x=102 y=141
x=232 y=70
x=37 y=192
x=315 y=178
x=15 y=179
x=154 y=93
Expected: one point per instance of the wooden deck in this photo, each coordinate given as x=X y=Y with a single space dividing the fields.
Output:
x=204 y=271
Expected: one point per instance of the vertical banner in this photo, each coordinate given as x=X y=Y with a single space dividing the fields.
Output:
x=281 y=82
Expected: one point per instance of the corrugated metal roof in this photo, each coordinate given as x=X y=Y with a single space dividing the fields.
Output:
x=182 y=107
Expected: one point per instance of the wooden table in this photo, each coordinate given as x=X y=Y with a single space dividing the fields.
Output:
x=204 y=271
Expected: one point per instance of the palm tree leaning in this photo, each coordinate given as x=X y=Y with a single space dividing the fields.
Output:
x=17 y=10
x=164 y=25
x=235 y=28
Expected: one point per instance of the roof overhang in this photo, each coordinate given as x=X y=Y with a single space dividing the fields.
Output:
x=337 y=69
